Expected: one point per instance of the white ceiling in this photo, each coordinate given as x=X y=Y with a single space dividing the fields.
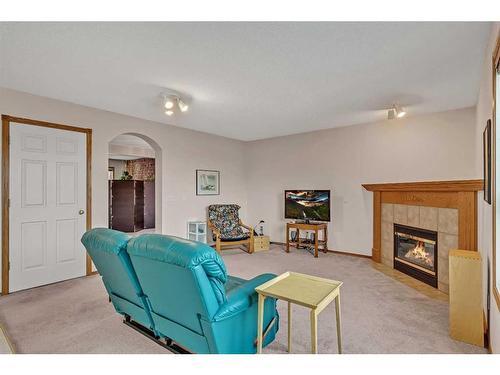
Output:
x=249 y=80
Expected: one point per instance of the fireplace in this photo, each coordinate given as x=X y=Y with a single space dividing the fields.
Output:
x=416 y=253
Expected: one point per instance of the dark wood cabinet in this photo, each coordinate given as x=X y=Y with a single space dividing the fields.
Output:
x=126 y=205
x=149 y=204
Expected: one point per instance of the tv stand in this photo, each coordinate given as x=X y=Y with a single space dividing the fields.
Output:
x=307 y=221
x=299 y=242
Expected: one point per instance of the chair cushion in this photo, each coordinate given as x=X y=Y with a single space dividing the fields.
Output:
x=226 y=219
x=244 y=236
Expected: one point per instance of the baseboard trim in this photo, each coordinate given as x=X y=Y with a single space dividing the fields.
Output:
x=333 y=251
x=351 y=254
x=277 y=243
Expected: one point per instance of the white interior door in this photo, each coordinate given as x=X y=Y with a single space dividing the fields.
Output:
x=48 y=177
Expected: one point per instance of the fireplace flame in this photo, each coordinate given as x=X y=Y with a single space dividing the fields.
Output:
x=419 y=253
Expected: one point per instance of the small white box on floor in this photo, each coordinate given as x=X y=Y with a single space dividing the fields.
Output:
x=197 y=231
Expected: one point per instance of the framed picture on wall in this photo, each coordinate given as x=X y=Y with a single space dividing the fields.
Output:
x=207 y=182
x=487 y=162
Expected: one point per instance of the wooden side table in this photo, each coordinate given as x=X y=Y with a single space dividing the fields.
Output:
x=316 y=227
x=309 y=291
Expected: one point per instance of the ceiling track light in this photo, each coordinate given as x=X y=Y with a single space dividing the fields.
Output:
x=171 y=100
x=395 y=112
x=182 y=106
x=169 y=103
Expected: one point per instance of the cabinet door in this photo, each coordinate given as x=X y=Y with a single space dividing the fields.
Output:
x=139 y=206
x=122 y=205
x=149 y=204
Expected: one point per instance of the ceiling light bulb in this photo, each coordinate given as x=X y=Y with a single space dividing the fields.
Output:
x=169 y=104
x=169 y=112
x=395 y=112
x=182 y=106
x=391 y=114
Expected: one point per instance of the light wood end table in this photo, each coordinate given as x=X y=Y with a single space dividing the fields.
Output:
x=309 y=291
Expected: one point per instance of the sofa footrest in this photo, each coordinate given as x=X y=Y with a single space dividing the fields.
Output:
x=166 y=342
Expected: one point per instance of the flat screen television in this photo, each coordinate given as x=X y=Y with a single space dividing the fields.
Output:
x=308 y=205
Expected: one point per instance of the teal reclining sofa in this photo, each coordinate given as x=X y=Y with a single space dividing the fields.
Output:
x=178 y=293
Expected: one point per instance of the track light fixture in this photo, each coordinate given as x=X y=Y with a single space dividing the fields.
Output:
x=182 y=106
x=172 y=100
x=395 y=112
x=169 y=103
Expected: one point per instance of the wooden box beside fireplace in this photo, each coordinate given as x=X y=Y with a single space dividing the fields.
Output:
x=448 y=208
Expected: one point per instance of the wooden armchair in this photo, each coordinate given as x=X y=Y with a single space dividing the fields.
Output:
x=226 y=226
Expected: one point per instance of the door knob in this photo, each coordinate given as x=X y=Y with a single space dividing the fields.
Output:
x=81 y=212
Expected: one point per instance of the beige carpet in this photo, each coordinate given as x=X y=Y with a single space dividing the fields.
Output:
x=379 y=314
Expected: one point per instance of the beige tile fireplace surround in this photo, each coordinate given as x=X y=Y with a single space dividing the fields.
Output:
x=446 y=207
x=444 y=221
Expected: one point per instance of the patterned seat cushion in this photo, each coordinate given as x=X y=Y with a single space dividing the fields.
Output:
x=225 y=218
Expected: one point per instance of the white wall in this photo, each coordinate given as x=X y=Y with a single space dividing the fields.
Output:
x=183 y=151
x=120 y=166
x=437 y=146
x=484 y=112
x=128 y=150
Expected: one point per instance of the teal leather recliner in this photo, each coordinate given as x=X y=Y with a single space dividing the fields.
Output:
x=180 y=291
x=108 y=250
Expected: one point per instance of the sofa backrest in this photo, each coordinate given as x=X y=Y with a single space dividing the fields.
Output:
x=184 y=280
x=107 y=248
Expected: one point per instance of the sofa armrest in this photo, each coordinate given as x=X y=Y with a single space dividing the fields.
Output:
x=241 y=298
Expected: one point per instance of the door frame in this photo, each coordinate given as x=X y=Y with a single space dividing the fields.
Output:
x=6 y=121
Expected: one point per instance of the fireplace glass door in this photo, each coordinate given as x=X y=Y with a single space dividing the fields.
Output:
x=415 y=252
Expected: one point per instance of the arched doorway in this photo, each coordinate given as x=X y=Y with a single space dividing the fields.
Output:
x=135 y=184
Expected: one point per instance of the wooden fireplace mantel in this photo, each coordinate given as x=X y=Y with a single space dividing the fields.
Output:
x=459 y=194
x=456 y=185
